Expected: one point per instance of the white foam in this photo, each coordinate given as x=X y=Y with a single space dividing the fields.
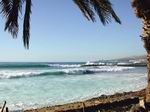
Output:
x=97 y=69
x=114 y=68
x=5 y=74
x=64 y=65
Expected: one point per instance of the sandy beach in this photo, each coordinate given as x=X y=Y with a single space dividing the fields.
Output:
x=118 y=102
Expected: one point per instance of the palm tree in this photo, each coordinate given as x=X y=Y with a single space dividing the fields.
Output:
x=142 y=10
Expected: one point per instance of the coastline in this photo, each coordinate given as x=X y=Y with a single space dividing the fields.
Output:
x=117 y=101
x=71 y=81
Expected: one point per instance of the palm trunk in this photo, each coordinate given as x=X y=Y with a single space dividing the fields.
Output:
x=142 y=11
x=146 y=38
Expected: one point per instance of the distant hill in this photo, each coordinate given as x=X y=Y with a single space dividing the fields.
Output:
x=142 y=57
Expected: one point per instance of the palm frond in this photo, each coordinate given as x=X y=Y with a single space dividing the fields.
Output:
x=102 y=8
x=101 y=11
x=26 y=24
x=6 y=6
x=12 y=17
x=86 y=9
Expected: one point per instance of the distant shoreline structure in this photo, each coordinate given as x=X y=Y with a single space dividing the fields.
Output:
x=125 y=65
x=139 y=61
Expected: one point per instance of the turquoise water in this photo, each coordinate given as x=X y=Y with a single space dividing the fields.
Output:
x=34 y=85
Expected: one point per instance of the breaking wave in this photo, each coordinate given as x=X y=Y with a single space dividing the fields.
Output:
x=65 y=65
x=8 y=74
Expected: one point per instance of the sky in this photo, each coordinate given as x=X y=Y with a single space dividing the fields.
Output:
x=59 y=32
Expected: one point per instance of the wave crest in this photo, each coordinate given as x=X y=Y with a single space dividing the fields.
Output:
x=5 y=74
x=65 y=65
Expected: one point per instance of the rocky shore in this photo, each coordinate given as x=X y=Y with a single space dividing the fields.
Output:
x=119 y=102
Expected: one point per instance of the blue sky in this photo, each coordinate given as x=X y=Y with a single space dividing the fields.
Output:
x=59 y=32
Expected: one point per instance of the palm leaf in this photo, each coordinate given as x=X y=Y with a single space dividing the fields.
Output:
x=86 y=9
x=12 y=16
x=102 y=8
x=26 y=24
x=6 y=7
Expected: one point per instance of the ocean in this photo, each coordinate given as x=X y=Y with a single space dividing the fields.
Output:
x=35 y=85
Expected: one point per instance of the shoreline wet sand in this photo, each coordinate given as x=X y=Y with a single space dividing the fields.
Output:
x=117 y=102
